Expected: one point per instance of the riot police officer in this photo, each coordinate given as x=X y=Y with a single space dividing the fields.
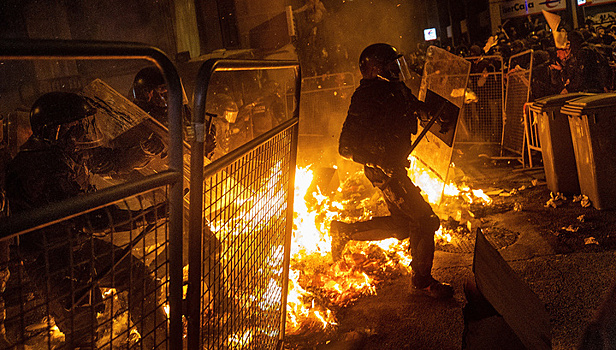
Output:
x=149 y=92
x=230 y=131
x=61 y=258
x=377 y=133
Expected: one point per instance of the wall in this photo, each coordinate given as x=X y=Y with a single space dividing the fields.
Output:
x=251 y=13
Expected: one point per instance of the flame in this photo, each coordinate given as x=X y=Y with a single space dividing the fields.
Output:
x=240 y=339
x=166 y=307
x=317 y=285
x=307 y=237
x=344 y=281
x=436 y=192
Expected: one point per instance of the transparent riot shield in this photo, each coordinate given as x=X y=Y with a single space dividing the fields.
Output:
x=443 y=88
x=115 y=113
x=124 y=125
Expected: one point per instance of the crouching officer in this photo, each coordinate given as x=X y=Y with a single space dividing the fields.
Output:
x=149 y=92
x=67 y=261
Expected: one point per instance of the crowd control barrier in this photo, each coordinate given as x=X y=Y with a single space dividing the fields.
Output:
x=80 y=275
x=241 y=208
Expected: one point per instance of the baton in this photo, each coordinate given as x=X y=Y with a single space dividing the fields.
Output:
x=427 y=128
x=210 y=122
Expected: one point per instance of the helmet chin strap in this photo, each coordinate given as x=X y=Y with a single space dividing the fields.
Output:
x=57 y=135
x=390 y=79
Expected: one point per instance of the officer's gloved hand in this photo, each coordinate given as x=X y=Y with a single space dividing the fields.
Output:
x=423 y=115
x=405 y=163
x=153 y=145
x=102 y=166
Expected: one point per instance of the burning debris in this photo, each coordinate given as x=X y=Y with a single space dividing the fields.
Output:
x=583 y=199
x=591 y=240
x=320 y=287
x=556 y=200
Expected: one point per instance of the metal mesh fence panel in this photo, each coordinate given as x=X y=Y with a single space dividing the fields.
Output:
x=90 y=241
x=533 y=143
x=518 y=88
x=241 y=208
x=243 y=246
x=96 y=280
x=482 y=116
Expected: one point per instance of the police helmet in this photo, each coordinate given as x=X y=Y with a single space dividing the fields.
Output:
x=149 y=86
x=223 y=106
x=379 y=60
x=67 y=117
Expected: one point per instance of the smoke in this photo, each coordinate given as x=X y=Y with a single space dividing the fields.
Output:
x=359 y=23
x=345 y=31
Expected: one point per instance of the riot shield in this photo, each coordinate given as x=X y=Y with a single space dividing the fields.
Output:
x=443 y=86
x=115 y=113
x=124 y=124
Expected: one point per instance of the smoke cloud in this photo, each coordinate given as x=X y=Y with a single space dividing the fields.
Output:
x=358 y=23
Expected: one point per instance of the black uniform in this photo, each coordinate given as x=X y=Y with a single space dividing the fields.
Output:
x=65 y=256
x=586 y=69
x=377 y=133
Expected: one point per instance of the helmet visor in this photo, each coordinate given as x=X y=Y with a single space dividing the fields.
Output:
x=230 y=113
x=404 y=72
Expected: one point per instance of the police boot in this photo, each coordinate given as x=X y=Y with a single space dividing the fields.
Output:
x=341 y=234
x=430 y=287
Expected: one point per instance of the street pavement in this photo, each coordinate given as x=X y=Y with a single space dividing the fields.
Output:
x=570 y=279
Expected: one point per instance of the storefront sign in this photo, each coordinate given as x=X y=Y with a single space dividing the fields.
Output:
x=515 y=8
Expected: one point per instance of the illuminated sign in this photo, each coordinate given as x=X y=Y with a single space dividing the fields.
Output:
x=516 y=8
x=430 y=34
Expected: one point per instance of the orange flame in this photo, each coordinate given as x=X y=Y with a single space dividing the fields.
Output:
x=317 y=284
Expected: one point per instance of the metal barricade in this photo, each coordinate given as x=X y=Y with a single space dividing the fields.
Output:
x=482 y=118
x=533 y=142
x=515 y=132
x=241 y=211
x=103 y=269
